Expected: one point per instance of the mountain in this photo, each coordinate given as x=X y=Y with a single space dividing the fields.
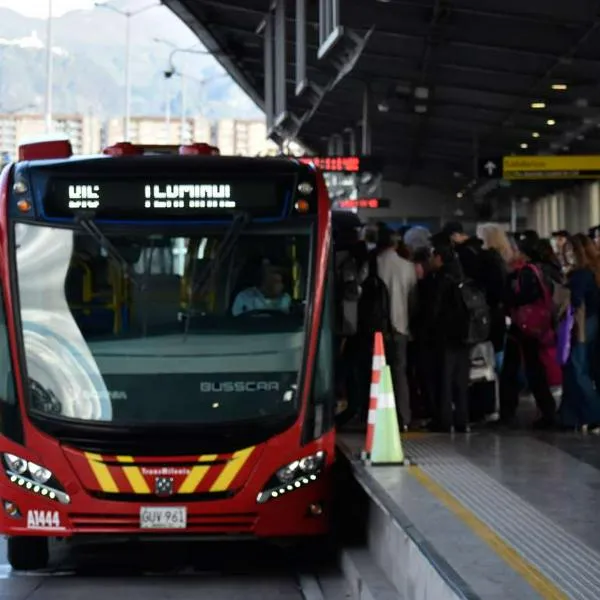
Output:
x=89 y=67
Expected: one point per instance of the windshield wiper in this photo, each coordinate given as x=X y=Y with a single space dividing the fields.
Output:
x=90 y=227
x=239 y=223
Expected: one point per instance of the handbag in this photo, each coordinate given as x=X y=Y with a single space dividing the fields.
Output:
x=564 y=334
x=535 y=320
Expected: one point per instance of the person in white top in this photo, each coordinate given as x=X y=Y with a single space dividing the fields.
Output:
x=269 y=295
x=400 y=278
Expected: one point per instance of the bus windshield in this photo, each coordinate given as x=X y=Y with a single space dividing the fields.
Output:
x=150 y=338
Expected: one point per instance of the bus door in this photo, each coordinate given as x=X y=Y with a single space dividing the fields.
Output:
x=155 y=301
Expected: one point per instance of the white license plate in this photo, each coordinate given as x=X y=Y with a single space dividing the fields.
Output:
x=163 y=517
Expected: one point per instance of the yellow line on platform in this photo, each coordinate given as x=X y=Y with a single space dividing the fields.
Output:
x=534 y=577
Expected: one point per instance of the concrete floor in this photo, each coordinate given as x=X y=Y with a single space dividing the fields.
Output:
x=165 y=571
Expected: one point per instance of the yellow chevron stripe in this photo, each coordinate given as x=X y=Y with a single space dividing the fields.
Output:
x=134 y=476
x=100 y=470
x=197 y=474
x=232 y=468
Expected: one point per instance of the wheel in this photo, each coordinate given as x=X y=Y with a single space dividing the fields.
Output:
x=28 y=553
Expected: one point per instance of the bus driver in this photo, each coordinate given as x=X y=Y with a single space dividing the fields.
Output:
x=270 y=295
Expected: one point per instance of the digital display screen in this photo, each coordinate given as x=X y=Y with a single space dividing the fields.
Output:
x=343 y=164
x=148 y=199
x=363 y=203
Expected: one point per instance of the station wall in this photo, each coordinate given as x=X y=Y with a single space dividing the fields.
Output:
x=417 y=204
x=575 y=210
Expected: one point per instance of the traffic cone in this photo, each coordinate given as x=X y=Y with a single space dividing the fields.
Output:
x=387 y=445
x=376 y=370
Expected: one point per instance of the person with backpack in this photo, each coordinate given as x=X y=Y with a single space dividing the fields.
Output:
x=459 y=320
x=388 y=297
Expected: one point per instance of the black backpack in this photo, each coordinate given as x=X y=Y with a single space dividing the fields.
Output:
x=374 y=303
x=471 y=318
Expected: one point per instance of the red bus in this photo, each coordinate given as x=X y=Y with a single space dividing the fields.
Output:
x=167 y=347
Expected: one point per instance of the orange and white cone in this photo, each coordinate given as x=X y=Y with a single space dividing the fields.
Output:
x=376 y=373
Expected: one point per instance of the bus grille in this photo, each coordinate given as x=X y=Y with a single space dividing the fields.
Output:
x=202 y=524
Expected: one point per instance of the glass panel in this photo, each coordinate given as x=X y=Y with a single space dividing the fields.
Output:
x=138 y=340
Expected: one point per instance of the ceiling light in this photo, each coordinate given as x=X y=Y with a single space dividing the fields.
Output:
x=422 y=93
x=559 y=87
x=524 y=146
x=535 y=134
x=550 y=122
x=538 y=105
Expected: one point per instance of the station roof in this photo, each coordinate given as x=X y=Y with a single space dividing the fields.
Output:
x=483 y=63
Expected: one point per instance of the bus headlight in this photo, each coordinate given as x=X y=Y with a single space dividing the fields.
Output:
x=34 y=478
x=15 y=463
x=292 y=476
x=39 y=474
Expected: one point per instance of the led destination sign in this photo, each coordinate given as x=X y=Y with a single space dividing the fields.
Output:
x=151 y=200
x=198 y=196
x=343 y=164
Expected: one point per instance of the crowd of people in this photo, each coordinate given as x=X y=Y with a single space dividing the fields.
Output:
x=527 y=305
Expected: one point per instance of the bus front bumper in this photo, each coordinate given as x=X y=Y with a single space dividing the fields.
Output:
x=302 y=512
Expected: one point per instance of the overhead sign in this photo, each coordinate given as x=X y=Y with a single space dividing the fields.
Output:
x=355 y=203
x=490 y=168
x=551 y=167
x=524 y=168
x=343 y=164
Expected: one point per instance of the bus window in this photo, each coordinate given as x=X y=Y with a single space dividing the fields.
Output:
x=128 y=373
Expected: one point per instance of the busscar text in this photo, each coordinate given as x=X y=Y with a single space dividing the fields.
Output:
x=225 y=387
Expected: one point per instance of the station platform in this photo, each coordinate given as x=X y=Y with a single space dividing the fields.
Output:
x=486 y=516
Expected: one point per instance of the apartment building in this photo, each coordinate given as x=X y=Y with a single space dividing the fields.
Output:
x=157 y=130
x=82 y=130
x=89 y=135
x=242 y=137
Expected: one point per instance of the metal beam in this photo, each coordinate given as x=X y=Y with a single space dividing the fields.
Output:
x=269 y=72
x=280 y=61
x=495 y=15
x=590 y=63
x=301 y=78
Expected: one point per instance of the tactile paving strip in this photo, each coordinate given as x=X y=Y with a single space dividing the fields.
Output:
x=561 y=557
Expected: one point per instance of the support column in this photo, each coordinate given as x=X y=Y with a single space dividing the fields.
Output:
x=269 y=72
x=594 y=204
x=545 y=217
x=352 y=141
x=366 y=122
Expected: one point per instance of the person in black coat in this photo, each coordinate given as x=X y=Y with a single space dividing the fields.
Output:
x=450 y=356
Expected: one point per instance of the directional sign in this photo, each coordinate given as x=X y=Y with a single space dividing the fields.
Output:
x=551 y=167
x=490 y=168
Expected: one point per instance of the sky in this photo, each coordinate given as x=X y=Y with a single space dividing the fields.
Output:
x=39 y=8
